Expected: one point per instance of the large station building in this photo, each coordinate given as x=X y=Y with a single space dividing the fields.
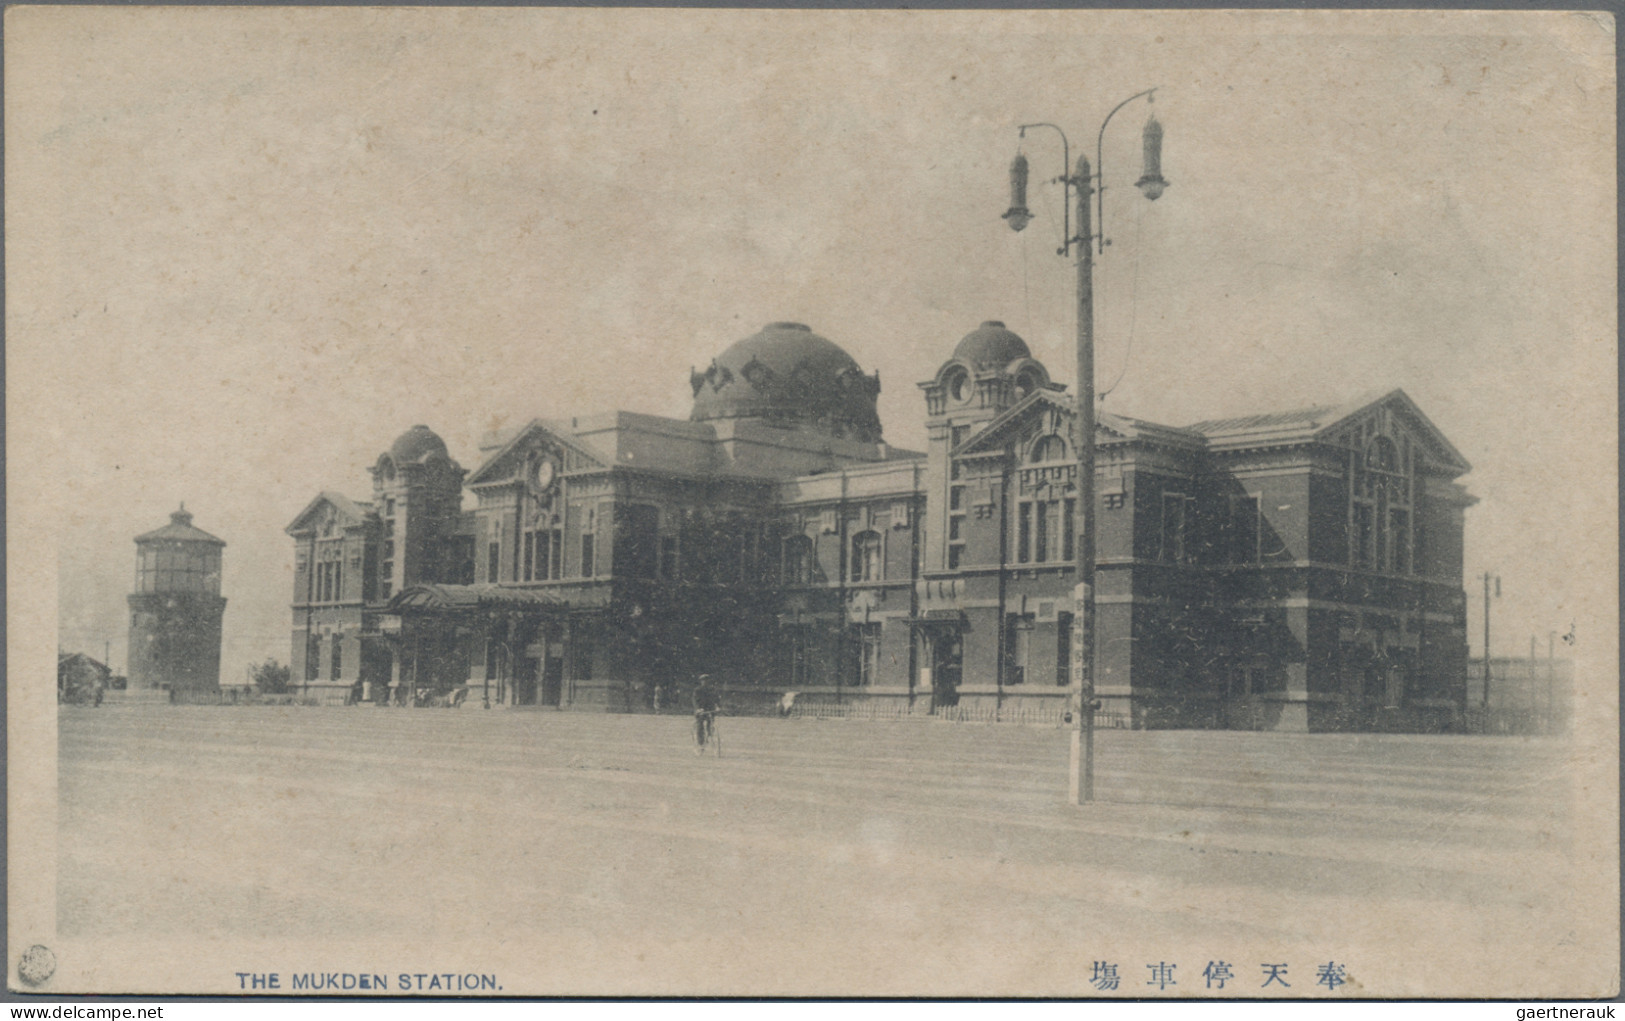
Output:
x=1297 y=570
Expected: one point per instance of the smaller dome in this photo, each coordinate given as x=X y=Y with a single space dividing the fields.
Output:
x=417 y=445
x=991 y=345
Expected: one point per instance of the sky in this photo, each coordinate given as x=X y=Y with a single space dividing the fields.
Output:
x=247 y=248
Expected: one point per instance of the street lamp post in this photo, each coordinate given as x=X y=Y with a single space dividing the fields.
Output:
x=1488 y=577
x=1083 y=183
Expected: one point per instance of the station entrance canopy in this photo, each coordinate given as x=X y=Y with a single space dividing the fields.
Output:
x=448 y=598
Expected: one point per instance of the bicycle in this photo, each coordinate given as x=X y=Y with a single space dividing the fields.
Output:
x=705 y=730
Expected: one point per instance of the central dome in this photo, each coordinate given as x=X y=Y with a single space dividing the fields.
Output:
x=788 y=374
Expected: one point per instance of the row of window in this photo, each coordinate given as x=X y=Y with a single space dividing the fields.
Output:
x=329 y=581
x=1042 y=535
x=864 y=659
x=1018 y=639
x=180 y=570
x=313 y=657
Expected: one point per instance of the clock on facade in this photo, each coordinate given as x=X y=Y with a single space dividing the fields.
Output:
x=541 y=476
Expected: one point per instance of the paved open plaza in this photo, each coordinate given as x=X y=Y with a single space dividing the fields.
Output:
x=579 y=853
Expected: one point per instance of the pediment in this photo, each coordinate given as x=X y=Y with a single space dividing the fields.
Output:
x=1395 y=415
x=535 y=442
x=329 y=514
x=1046 y=412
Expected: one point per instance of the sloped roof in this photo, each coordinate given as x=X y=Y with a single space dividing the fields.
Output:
x=353 y=511
x=180 y=529
x=1311 y=418
x=453 y=597
x=488 y=468
x=1320 y=421
x=1118 y=426
x=63 y=659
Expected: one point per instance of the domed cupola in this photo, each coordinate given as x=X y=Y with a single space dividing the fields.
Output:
x=418 y=445
x=789 y=375
x=991 y=346
x=991 y=369
x=417 y=454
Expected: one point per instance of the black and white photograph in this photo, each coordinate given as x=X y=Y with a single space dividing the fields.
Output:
x=554 y=502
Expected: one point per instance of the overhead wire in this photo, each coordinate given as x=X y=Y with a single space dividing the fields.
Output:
x=1133 y=304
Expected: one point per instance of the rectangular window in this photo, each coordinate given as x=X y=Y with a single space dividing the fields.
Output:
x=1069 y=530
x=546 y=541
x=338 y=658
x=955 y=555
x=587 y=548
x=1041 y=530
x=955 y=524
x=1400 y=527
x=313 y=655
x=1364 y=538
x=866 y=557
x=1017 y=646
x=800 y=652
x=1244 y=525
x=956 y=497
x=1024 y=534
x=493 y=562
x=868 y=653
x=1063 y=649
x=1173 y=527
x=528 y=559
x=1379 y=559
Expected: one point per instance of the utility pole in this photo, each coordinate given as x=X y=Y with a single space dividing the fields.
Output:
x=1081 y=771
x=1487 y=577
x=1531 y=669
x=1551 y=676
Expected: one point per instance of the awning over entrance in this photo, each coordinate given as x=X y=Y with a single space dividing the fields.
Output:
x=471 y=597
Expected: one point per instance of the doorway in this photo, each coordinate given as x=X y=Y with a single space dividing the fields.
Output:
x=553 y=675
x=524 y=681
x=947 y=665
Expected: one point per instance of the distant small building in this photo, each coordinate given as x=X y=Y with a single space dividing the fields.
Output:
x=176 y=609
x=78 y=677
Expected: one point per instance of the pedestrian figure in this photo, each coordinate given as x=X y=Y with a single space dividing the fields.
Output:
x=706 y=703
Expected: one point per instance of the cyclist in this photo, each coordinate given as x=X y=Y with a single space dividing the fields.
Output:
x=706 y=703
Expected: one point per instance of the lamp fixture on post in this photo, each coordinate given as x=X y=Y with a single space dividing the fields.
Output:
x=1083 y=182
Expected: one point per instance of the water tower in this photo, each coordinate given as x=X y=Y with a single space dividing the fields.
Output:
x=176 y=608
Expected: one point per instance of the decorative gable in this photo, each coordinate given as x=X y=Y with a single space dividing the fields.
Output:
x=328 y=515
x=1047 y=412
x=1395 y=416
x=523 y=458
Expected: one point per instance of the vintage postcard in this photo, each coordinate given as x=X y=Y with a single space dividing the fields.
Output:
x=535 y=502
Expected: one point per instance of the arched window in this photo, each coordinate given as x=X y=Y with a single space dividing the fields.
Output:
x=798 y=560
x=1380 y=498
x=867 y=564
x=1048 y=448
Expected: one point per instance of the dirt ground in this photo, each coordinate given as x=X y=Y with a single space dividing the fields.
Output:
x=597 y=854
